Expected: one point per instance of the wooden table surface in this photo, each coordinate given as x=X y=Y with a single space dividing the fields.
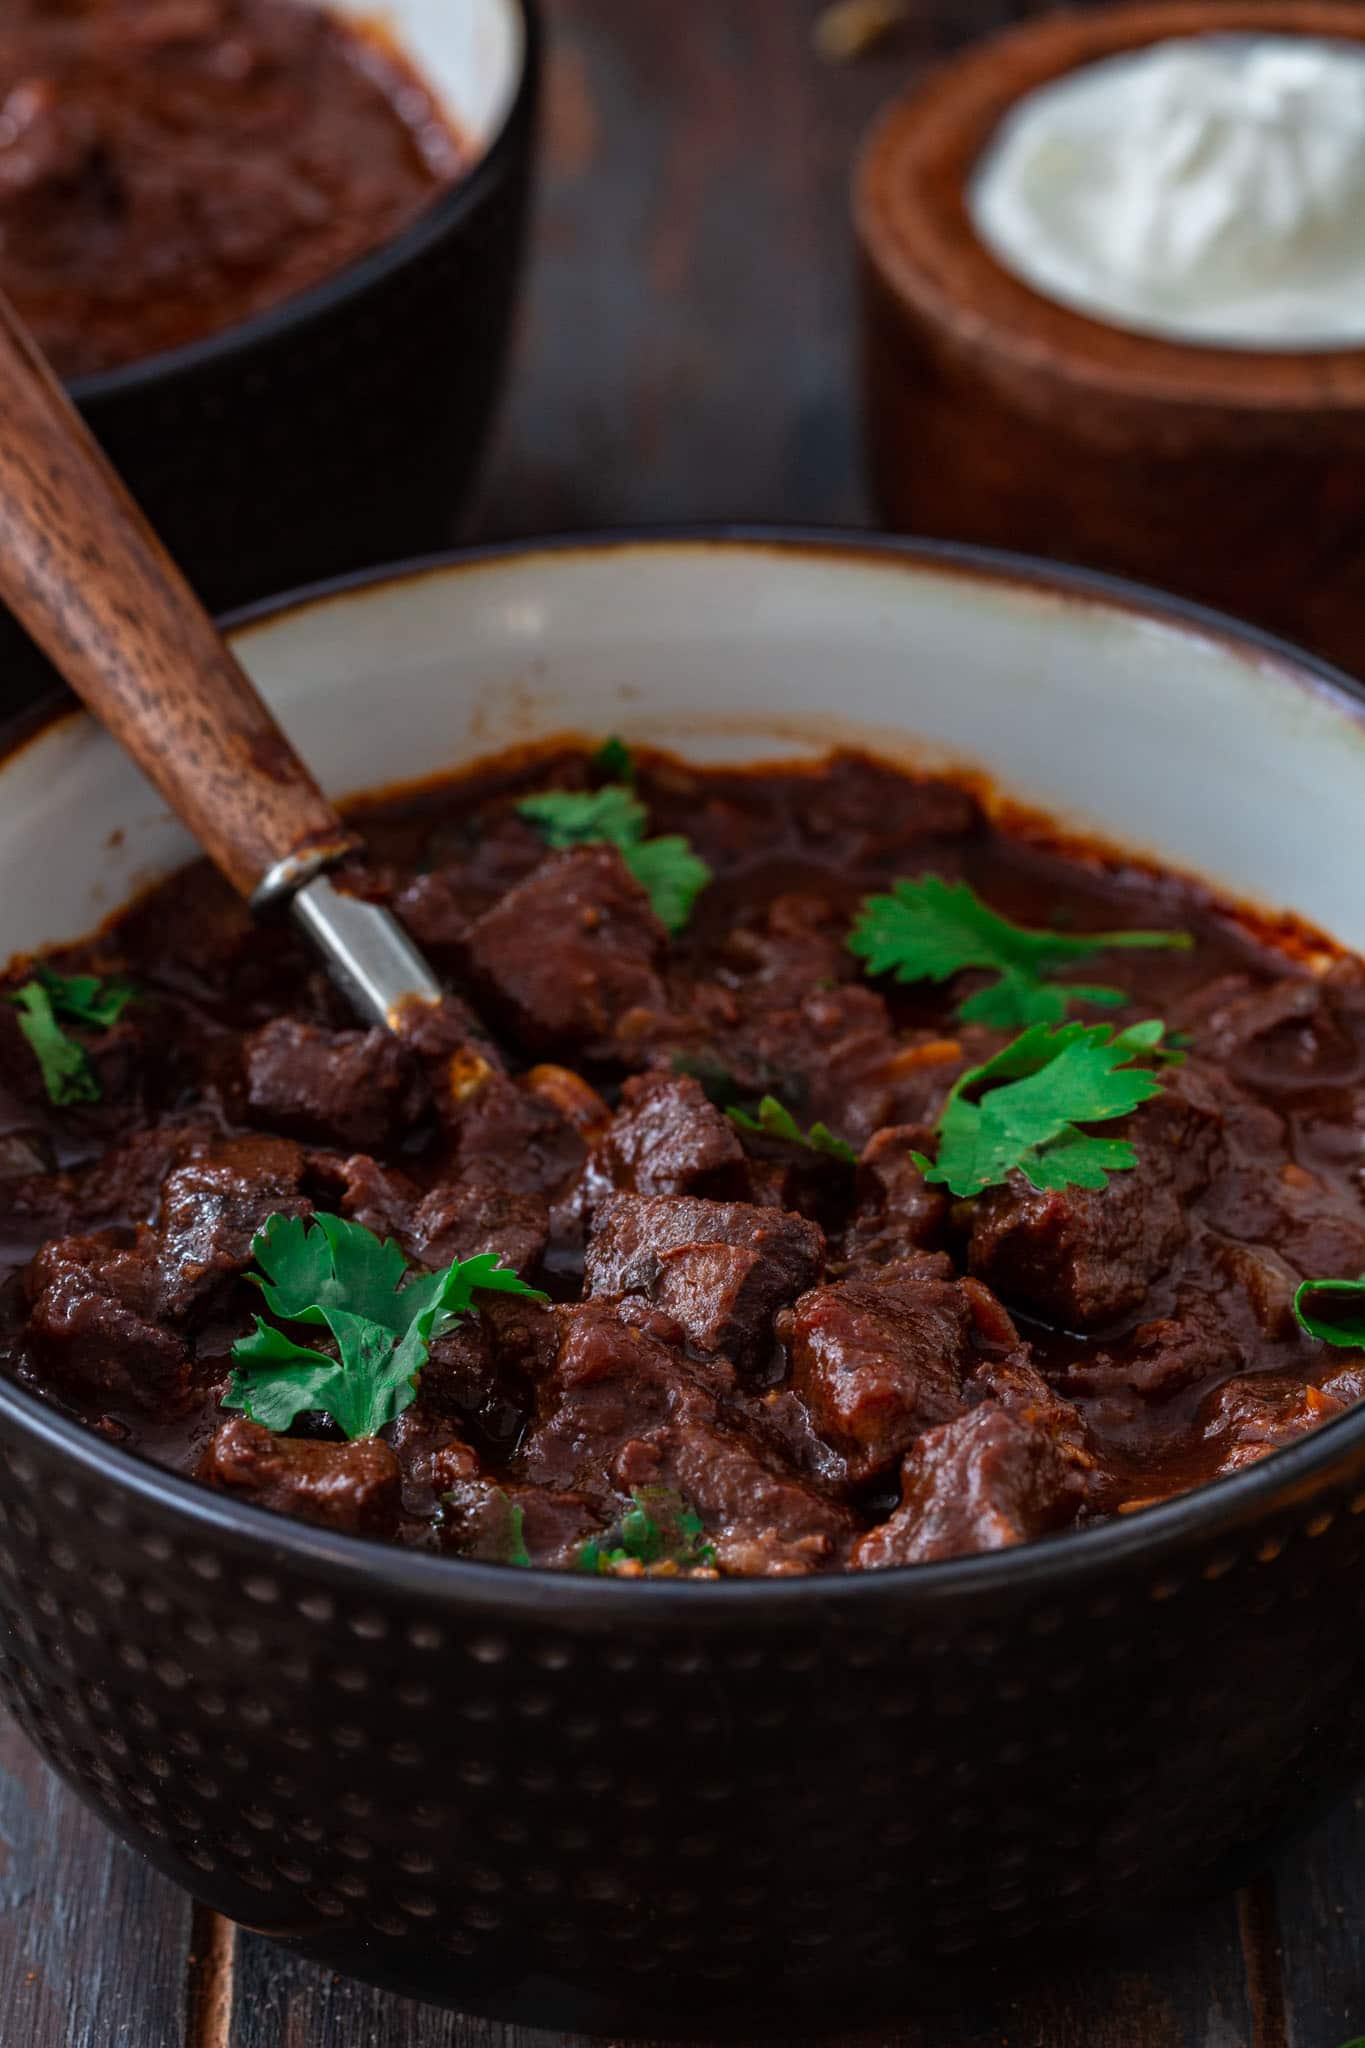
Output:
x=687 y=353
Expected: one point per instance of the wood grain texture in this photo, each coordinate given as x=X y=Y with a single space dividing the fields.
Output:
x=1189 y=1992
x=93 y=1944
x=686 y=352
x=83 y=571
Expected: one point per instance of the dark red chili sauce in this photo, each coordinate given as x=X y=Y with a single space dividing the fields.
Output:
x=171 y=167
x=827 y=1364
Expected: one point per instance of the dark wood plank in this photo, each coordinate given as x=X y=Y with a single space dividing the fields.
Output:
x=1319 y=1891
x=94 y=1946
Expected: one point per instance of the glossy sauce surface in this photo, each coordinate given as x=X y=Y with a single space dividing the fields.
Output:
x=831 y=1365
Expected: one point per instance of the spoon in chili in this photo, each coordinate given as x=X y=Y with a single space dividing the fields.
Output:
x=82 y=569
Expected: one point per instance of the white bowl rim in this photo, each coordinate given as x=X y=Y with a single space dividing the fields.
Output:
x=1218 y=1508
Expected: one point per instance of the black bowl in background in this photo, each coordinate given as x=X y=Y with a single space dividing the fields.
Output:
x=339 y=428
x=741 y=1806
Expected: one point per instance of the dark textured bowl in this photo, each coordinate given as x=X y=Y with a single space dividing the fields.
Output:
x=343 y=426
x=709 y=1807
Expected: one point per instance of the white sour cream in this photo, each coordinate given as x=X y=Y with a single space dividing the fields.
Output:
x=1208 y=189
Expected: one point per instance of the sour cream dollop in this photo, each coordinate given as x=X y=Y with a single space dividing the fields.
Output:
x=1208 y=189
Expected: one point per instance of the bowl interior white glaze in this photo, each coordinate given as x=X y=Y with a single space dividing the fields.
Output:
x=470 y=53
x=1225 y=758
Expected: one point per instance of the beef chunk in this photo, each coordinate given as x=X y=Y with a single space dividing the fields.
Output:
x=359 y=1088
x=1015 y=1383
x=506 y=1132
x=482 y=1520
x=1083 y=1257
x=668 y=1139
x=434 y=908
x=721 y=1268
x=463 y=1221
x=1167 y=1355
x=355 y=1487
x=759 y=1518
x=1246 y=1418
x=483 y=1373
x=879 y=1359
x=869 y=814
x=624 y=1411
x=570 y=952
x=898 y=1212
x=1288 y=1032
x=1267 y=1283
x=92 y=1325
x=213 y=1208
x=989 y=1480
x=433 y=1457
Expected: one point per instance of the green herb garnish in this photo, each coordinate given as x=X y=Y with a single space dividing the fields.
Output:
x=659 y=1529
x=340 y=1275
x=930 y=930
x=1022 y=1109
x=515 y=1551
x=1339 y=1317
x=81 y=999
x=613 y=761
x=774 y=1121
x=666 y=868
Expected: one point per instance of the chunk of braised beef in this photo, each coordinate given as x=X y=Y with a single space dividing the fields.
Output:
x=432 y=1456
x=1247 y=1418
x=92 y=1324
x=880 y=1358
x=1196 y=1344
x=1015 y=1383
x=121 y=1186
x=568 y=954
x=357 y=1088
x=481 y=1519
x=1290 y=1032
x=212 y=1208
x=505 y=1131
x=989 y=1480
x=622 y=1410
x=485 y=1385
x=897 y=1211
x=1086 y=1257
x=723 y=1269
x=1266 y=1282
x=356 y=1487
x=870 y=814
x=434 y=907
x=667 y=1138
x=469 y=1219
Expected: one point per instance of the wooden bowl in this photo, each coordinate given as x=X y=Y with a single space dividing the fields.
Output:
x=995 y=415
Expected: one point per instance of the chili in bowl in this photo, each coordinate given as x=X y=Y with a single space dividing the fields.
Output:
x=838 y=1221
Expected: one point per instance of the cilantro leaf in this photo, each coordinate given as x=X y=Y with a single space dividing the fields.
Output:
x=660 y=1530
x=931 y=930
x=339 y=1275
x=671 y=875
x=1334 y=1311
x=613 y=816
x=666 y=868
x=1021 y=1109
x=613 y=760
x=775 y=1121
x=82 y=999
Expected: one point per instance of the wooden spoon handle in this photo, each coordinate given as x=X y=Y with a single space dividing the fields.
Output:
x=85 y=573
